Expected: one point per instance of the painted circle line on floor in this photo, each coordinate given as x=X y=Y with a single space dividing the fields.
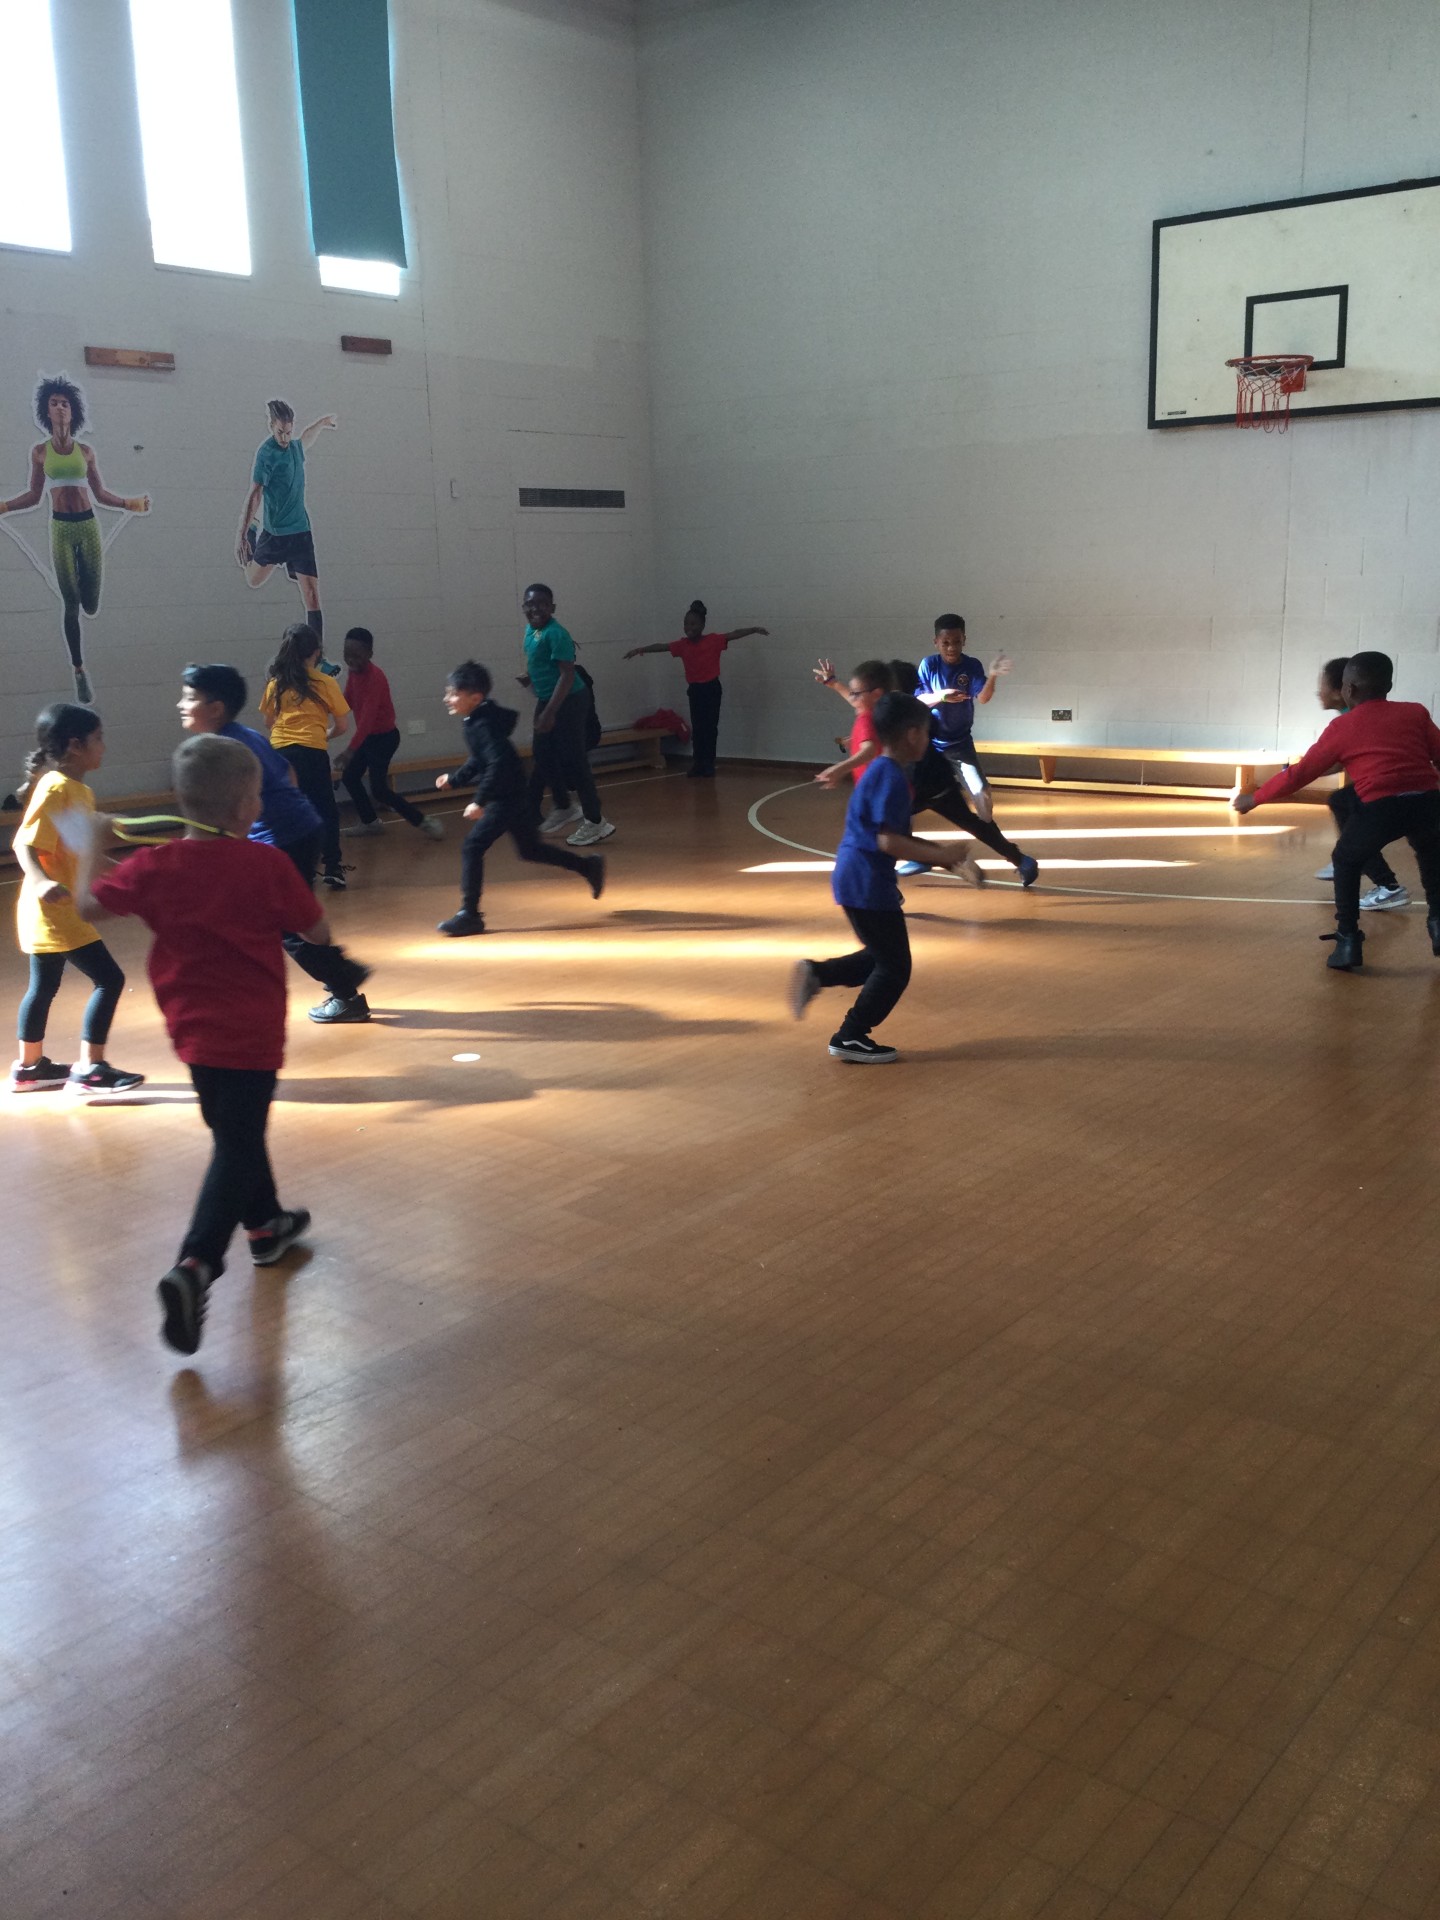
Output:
x=1108 y=893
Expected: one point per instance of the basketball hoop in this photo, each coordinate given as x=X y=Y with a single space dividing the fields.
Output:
x=1264 y=383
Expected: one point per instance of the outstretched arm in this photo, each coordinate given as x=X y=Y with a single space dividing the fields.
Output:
x=660 y=646
x=824 y=672
x=138 y=503
x=32 y=494
x=1002 y=663
x=743 y=633
x=862 y=756
x=308 y=436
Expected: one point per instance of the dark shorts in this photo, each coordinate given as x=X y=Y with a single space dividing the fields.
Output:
x=293 y=551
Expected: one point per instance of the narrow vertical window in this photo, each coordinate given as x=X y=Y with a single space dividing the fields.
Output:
x=342 y=50
x=190 y=134
x=34 y=205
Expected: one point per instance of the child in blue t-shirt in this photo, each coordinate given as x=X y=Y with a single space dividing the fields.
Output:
x=877 y=833
x=952 y=684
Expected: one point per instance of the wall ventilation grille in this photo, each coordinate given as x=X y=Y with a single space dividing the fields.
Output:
x=572 y=497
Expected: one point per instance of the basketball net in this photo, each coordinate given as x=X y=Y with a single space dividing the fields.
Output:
x=1264 y=383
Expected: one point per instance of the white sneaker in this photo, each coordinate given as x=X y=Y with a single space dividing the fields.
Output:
x=362 y=830
x=435 y=828
x=1326 y=873
x=588 y=832
x=559 y=818
x=1379 y=898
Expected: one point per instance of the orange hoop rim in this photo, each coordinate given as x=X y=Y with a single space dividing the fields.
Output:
x=1263 y=363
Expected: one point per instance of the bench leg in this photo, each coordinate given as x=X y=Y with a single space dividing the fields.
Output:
x=1047 y=767
x=1244 y=778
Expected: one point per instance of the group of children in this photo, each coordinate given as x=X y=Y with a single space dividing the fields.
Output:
x=226 y=901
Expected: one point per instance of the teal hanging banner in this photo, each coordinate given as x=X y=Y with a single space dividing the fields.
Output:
x=343 y=50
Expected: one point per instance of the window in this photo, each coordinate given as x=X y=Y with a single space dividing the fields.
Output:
x=34 y=206
x=360 y=276
x=190 y=133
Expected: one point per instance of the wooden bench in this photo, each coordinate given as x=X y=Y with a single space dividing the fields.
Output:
x=1244 y=764
x=646 y=742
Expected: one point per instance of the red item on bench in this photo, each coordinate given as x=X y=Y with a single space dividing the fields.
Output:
x=665 y=720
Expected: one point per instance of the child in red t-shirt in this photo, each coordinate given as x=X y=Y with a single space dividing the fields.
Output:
x=218 y=905
x=699 y=654
x=866 y=684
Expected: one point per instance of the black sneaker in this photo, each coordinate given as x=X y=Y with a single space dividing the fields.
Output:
x=278 y=1238
x=41 y=1076
x=864 y=1051
x=804 y=985
x=339 y=1012
x=1349 y=954
x=102 y=1078
x=183 y=1294
x=1028 y=870
x=334 y=878
x=595 y=874
x=459 y=924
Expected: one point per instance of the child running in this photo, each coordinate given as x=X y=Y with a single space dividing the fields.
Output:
x=952 y=683
x=877 y=833
x=699 y=654
x=210 y=698
x=1385 y=890
x=937 y=786
x=69 y=744
x=501 y=804
x=308 y=718
x=1391 y=750
x=376 y=742
x=218 y=904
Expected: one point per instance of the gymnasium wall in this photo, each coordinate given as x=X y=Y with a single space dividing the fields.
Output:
x=898 y=272
x=518 y=361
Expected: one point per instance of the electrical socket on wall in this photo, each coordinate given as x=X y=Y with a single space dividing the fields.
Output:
x=414 y=726
x=1062 y=713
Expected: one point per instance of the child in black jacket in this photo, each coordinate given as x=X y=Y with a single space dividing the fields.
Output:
x=493 y=768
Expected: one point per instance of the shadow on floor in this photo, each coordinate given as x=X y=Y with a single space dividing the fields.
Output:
x=688 y=922
x=572 y=1021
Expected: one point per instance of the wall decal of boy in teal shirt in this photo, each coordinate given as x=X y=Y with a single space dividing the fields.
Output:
x=283 y=537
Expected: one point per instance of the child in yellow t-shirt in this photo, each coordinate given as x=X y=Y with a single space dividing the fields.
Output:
x=70 y=745
x=308 y=717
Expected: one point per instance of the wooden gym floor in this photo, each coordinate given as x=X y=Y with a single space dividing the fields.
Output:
x=690 y=1477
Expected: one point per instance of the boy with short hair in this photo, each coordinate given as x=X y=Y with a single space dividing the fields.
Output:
x=952 y=684
x=562 y=757
x=210 y=698
x=1386 y=889
x=877 y=833
x=277 y=493
x=218 y=905
x=1391 y=750
x=501 y=804
x=374 y=746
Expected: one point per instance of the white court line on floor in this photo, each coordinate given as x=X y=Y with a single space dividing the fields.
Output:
x=1110 y=893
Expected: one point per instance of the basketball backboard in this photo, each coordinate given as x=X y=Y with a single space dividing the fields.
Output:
x=1352 y=278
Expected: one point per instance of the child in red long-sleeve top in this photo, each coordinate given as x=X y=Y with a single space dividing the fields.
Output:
x=376 y=742
x=1391 y=751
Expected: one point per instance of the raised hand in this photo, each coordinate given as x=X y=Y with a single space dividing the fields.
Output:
x=824 y=671
x=1002 y=663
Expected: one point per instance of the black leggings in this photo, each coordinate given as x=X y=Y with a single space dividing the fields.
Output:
x=238 y=1189
x=704 y=698
x=372 y=757
x=512 y=817
x=99 y=967
x=316 y=779
x=937 y=787
x=1342 y=804
x=881 y=969
x=562 y=760
x=1373 y=824
x=330 y=965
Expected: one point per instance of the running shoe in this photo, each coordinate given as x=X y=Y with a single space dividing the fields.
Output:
x=1379 y=898
x=337 y=1011
x=102 y=1078
x=595 y=874
x=184 y=1292
x=459 y=924
x=1326 y=873
x=334 y=878
x=84 y=692
x=1349 y=953
x=559 y=818
x=434 y=828
x=804 y=985
x=862 y=1051
x=1028 y=870
x=588 y=832
x=278 y=1238
x=41 y=1076
x=910 y=867
x=362 y=830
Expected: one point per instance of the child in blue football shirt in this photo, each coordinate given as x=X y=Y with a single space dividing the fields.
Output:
x=877 y=833
x=952 y=684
